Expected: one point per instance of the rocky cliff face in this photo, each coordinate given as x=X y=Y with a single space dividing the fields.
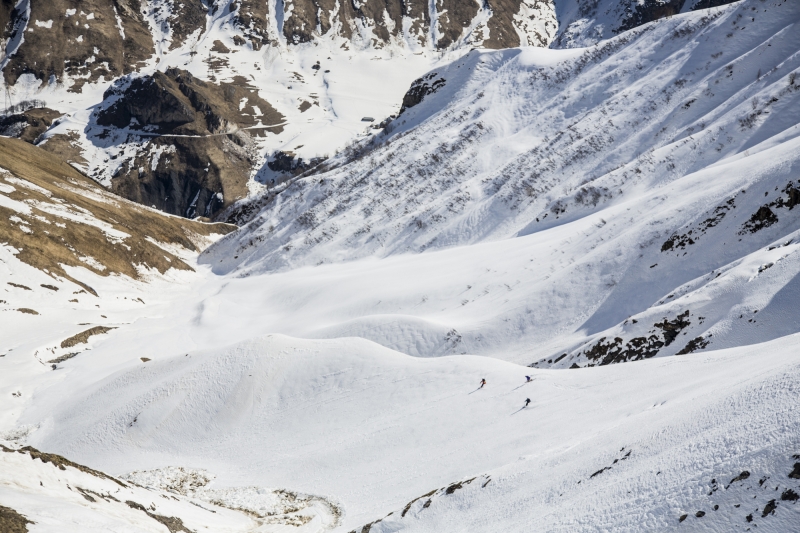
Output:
x=176 y=102
x=28 y=124
x=440 y=24
x=198 y=154
x=87 y=40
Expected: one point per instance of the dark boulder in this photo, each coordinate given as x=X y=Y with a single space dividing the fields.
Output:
x=421 y=88
x=28 y=125
x=149 y=101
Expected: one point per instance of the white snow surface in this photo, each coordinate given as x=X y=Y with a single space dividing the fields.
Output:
x=374 y=429
x=547 y=185
x=265 y=378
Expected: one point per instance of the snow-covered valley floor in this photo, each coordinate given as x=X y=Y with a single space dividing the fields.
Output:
x=370 y=429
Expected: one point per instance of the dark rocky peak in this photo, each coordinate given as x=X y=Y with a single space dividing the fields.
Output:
x=199 y=152
x=175 y=102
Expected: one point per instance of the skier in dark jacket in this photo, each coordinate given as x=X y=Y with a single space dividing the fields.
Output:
x=528 y=379
x=483 y=382
x=527 y=401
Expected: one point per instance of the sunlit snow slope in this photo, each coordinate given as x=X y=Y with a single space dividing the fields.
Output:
x=373 y=430
x=641 y=178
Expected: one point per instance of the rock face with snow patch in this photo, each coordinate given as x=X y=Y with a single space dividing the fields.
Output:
x=86 y=41
x=103 y=39
x=199 y=155
x=29 y=124
x=377 y=23
x=177 y=103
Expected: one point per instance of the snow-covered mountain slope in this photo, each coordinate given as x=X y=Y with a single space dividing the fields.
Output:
x=377 y=431
x=585 y=22
x=516 y=135
x=319 y=368
x=643 y=178
x=333 y=70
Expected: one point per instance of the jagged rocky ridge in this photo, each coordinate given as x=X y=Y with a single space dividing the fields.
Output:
x=107 y=38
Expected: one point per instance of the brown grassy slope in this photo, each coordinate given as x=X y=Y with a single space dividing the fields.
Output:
x=47 y=245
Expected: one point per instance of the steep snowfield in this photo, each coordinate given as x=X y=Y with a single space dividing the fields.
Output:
x=516 y=135
x=649 y=175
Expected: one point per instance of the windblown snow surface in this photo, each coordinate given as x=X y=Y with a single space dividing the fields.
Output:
x=627 y=209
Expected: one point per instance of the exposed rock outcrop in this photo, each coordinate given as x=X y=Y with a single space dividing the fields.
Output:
x=182 y=19
x=493 y=24
x=422 y=87
x=186 y=176
x=199 y=155
x=252 y=20
x=86 y=40
x=28 y=125
x=641 y=13
x=175 y=102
